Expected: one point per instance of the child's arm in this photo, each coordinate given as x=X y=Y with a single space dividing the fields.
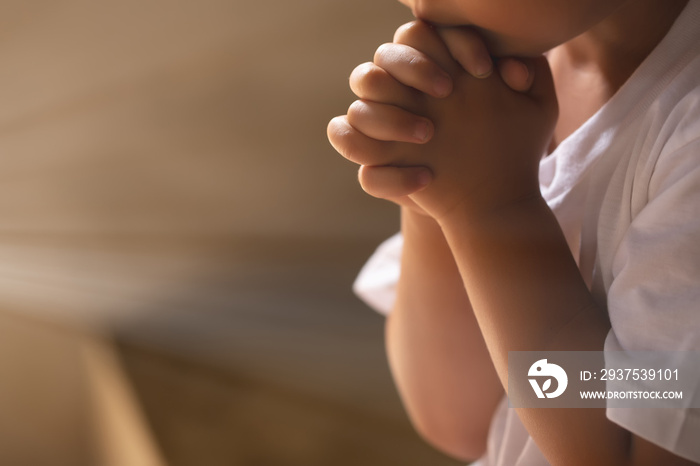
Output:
x=524 y=286
x=434 y=345
x=437 y=354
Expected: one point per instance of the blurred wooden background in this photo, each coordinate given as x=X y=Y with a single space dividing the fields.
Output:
x=178 y=239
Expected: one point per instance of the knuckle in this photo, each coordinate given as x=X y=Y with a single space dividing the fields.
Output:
x=374 y=77
x=351 y=147
x=366 y=180
x=411 y=32
x=341 y=137
x=336 y=133
x=350 y=150
x=367 y=78
x=357 y=111
x=347 y=147
x=383 y=52
x=332 y=130
x=415 y=60
x=360 y=71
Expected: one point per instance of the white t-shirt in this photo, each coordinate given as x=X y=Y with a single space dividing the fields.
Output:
x=625 y=188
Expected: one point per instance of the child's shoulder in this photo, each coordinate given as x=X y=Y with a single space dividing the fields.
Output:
x=663 y=94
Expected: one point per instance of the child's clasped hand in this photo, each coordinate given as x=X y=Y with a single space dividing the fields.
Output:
x=438 y=130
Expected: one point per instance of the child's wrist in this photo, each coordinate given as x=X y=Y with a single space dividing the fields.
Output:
x=424 y=238
x=508 y=215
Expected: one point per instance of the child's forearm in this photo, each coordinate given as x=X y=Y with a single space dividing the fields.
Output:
x=437 y=354
x=528 y=295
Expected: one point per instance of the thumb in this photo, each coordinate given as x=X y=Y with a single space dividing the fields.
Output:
x=542 y=88
x=468 y=49
x=518 y=74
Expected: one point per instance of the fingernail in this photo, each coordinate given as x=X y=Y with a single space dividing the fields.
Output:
x=442 y=86
x=424 y=178
x=421 y=130
x=483 y=67
x=524 y=70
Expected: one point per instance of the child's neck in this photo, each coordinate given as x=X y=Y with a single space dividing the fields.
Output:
x=589 y=69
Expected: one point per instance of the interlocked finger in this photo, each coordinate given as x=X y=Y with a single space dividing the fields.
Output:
x=357 y=147
x=371 y=82
x=388 y=122
x=423 y=37
x=469 y=50
x=389 y=182
x=413 y=68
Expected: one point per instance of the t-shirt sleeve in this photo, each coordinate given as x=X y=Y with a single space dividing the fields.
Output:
x=654 y=298
x=376 y=282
